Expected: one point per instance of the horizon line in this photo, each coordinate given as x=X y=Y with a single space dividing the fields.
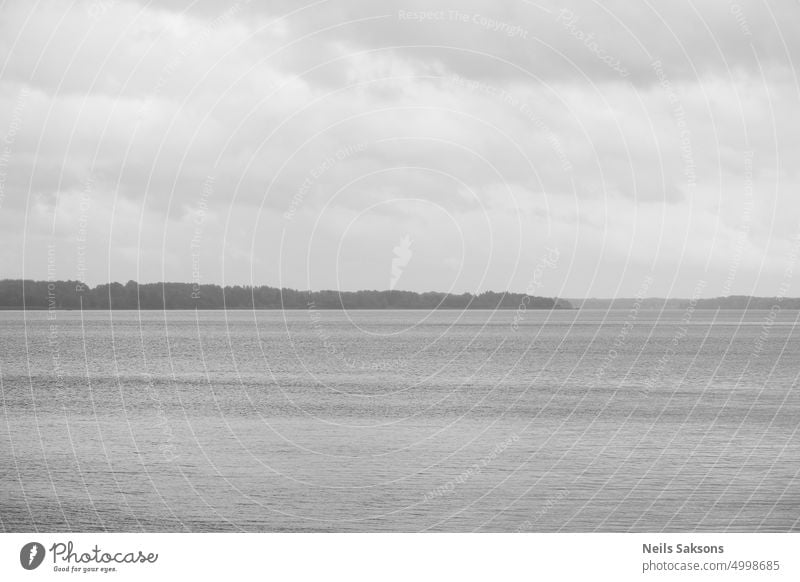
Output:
x=509 y=292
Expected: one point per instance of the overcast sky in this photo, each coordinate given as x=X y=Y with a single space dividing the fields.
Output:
x=568 y=149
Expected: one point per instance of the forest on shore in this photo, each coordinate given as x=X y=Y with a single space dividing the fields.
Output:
x=29 y=294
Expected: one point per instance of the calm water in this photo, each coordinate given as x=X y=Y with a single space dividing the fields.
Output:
x=399 y=421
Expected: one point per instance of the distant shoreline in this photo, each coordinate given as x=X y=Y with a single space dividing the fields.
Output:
x=31 y=295
x=647 y=309
x=19 y=294
x=731 y=302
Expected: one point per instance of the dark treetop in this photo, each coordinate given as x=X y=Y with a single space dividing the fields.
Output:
x=27 y=294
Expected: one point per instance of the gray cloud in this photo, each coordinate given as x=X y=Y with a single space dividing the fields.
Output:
x=619 y=133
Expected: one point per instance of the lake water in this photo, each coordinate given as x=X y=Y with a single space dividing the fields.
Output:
x=399 y=421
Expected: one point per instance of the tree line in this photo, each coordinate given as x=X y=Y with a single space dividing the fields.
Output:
x=29 y=294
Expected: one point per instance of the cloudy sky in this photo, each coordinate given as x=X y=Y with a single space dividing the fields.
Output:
x=573 y=149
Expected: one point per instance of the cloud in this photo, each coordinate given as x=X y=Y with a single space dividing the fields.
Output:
x=631 y=137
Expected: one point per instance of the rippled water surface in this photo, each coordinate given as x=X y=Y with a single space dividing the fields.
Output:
x=399 y=421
